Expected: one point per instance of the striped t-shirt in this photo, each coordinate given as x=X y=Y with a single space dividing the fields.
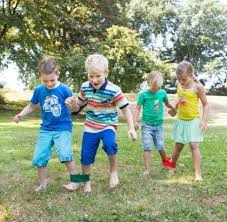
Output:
x=102 y=105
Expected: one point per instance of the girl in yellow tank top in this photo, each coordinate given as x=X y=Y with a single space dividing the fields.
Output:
x=188 y=127
x=188 y=103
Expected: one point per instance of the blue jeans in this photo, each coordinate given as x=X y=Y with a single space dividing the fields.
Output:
x=152 y=135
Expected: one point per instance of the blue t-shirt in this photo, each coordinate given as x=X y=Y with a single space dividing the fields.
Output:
x=55 y=114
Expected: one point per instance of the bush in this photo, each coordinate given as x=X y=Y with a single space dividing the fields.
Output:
x=2 y=100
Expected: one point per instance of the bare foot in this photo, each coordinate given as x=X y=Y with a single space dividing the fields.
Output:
x=41 y=187
x=171 y=170
x=87 y=187
x=113 y=180
x=72 y=186
x=198 y=178
x=146 y=172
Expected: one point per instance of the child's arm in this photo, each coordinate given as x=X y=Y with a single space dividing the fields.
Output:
x=71 y=102
x=173 y=109
x=27 y=109
x=202 y=96
x=128 y=116
x=136 y=116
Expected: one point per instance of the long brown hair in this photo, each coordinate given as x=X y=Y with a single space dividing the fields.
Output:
x=186 y=67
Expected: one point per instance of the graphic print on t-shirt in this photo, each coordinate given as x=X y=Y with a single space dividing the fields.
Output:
x=182 y=100
x=156 y=106
x=52 y=105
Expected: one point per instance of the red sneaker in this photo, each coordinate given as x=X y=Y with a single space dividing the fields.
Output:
x=166 y=162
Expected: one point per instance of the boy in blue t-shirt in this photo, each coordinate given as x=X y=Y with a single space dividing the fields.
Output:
x=152 y=101
x=56 y=123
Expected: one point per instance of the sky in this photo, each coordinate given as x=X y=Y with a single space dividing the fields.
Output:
x=9 y=77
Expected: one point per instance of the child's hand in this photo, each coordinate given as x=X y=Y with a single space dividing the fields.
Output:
x=136 y=126
x=172 y=112
x=70 y=101
x=17 y=118
x=204 y=126
x=132 y=134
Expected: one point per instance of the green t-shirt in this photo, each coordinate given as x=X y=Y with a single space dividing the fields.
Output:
x=152 y=106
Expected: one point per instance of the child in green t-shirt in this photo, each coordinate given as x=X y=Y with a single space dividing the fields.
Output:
x=152 y=118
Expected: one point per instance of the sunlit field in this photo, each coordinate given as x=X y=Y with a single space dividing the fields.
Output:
x=157 y=197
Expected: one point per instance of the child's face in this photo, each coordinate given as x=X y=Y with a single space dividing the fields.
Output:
x=154 y=88
x=50 y=80
x=96 y=78
x=185 y=80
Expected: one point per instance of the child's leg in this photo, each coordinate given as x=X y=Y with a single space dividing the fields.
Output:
x=86 y=169
x=146 y=158
x=42 y=172
x=71 y=166
x=162 y=154
x=175 y=155
x=166 y=161
x=196 y=159
x=177 y=151
x=41 y=156
x=114 y=181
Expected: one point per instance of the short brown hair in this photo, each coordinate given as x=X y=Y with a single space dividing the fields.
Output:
x=48 y=66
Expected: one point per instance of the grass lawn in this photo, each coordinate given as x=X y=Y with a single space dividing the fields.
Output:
x=157 y=197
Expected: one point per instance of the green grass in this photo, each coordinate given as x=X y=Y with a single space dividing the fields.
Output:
x=158 y=197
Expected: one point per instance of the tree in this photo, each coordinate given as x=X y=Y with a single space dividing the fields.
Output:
x=128 y=61
x=201 y=33
x=30 y=30
x=153 y=19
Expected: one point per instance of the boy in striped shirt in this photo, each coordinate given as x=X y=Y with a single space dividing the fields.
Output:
x=103 y=98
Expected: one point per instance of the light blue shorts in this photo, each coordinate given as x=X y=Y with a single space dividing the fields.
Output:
x=187 y=131
x=46 y=140
x=152 y=135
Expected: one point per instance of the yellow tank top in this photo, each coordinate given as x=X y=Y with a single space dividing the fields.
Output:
x=188 y=104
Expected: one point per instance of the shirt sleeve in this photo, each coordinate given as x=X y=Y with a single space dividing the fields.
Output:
x=120 y=100
x=68 y=92
x=140 y=99
x=165 y=97
x=35 y=97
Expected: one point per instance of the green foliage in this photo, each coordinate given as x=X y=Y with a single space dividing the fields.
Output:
x=2 y=99
x=70 y=30
x=127 y=58
x=30 y=30
x=201 y=33
x=153 y=18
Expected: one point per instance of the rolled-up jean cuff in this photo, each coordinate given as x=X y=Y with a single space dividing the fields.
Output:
x=66 y=159
x=39 y=164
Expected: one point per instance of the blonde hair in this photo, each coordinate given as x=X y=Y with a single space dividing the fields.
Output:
x=155 y=78
x=96 y=62
x=48 y=66
x=186 y=68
